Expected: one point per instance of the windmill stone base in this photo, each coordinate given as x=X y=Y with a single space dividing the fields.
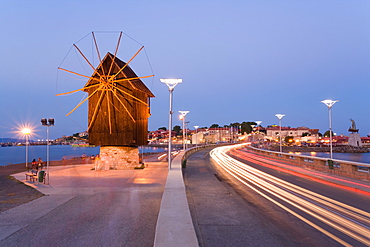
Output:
x=354 y=140
x=119 y=157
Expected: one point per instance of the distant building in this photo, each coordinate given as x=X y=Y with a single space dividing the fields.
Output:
x=299 y=134
x=83 y=134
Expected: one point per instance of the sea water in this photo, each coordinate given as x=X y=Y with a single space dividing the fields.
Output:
x=17 y=154
x=355 y=157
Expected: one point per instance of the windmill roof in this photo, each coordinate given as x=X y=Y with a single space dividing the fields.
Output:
x=127 y=72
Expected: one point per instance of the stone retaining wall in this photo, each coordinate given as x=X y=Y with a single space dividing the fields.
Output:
x=118 y=157
x=336 y=149
x=339 y=167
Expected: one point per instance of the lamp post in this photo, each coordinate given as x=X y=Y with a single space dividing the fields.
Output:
x=171 y=84
x=47 y=123
x=252 y=132
x=196 y=135
x=26 y=132
x=329 y=103
x=258 y=124
x=182 y=117
x=280 y=116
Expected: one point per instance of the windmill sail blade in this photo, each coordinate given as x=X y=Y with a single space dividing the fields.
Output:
x=133 y=78
x=96 y=110
x=79 y=104
x=120 y=101
x=109 y=116
x=86 y=59
x=81 y=89
x=119 y=89
x=92 y=78
x=96 y=47
x=123 y=67
x=115 y=53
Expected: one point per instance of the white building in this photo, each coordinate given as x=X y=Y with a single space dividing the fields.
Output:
x=302 y=134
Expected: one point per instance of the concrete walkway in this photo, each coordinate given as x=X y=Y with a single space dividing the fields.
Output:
x=83 y=207
x=174 y=225
x=170 y=210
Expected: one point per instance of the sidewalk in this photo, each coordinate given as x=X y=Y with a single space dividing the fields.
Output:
x=175 y=226
x=116 y=207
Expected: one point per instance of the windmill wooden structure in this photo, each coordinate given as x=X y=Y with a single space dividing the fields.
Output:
x=118 y=109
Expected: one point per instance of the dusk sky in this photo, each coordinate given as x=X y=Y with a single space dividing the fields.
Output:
x=239 y=60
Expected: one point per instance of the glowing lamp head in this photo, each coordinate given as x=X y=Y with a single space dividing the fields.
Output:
x=183 y=113
x=44 y=121
x=26 y=131
x=329 y=103
x=171 y=83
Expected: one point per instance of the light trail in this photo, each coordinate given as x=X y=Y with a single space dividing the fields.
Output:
x=255 y=156
x=333 y=215
x=297 y=171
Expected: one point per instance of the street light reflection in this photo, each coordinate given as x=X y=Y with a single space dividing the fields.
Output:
x=298 y=201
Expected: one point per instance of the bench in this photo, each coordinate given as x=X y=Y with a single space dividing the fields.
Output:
x=34 y=177
x=30 y=175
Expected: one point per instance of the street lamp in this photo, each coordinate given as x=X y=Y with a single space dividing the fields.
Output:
x=280 y=116
x=329 y=103
x=258 y=124
x=252 y=132
x=47 y=123
x=171 y=84
x=26 y=132
x=182 y=117
x=196 y=135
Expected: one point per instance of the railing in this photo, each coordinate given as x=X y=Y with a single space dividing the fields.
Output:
x=345 y=168
x=192 y=150
x=339 y=167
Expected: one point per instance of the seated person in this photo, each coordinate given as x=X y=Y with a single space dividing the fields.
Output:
x=34 y=167
x=39 y=162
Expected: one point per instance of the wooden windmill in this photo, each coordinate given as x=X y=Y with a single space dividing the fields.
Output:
x=118 y=108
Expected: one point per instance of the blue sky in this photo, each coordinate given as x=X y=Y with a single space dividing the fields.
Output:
x=239 y=60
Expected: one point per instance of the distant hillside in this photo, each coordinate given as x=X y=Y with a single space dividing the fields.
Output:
x=12 y=140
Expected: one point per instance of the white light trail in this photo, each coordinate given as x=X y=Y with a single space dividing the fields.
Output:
x=299 y=201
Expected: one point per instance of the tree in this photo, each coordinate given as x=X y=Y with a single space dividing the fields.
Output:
x=177 y=129
x=327 y=133
x=214 y=126
x=246 y=127
x=236 y=124
x=162 y=128
x=235 y=127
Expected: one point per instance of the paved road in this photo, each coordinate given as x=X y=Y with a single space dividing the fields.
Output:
x=225 y=213
x=91 y=208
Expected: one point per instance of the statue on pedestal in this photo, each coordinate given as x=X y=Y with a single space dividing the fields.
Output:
x=354 y=138
x=353 y=128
